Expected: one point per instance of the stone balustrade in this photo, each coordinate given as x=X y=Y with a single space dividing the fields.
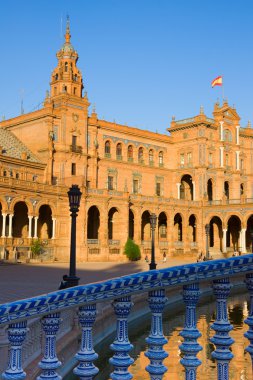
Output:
x=15 y=317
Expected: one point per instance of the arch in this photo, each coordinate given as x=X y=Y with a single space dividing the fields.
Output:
x=119 y=150
x=215 y=233
x=14 y=201
x=140 y=154
x=20 y=221
x=192 y=228
x=210 y=189
x=93 y=223
x=45 y=222
x=162 y=225
x=107 y=147
x=113 y=224
x=233 y=233
x=130 y=153
x=178 y=227
x=145 y=226
x=131 y=225
x=249 y=234
x=186 y=187
x=65 y=66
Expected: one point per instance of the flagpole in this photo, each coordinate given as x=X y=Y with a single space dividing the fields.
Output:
x=222 y=89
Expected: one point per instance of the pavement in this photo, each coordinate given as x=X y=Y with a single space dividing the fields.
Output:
x=19 y=281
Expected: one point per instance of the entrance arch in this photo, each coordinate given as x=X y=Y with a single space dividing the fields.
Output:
x=131 y=225
x=113 y=224
x=45 y=222
x=249 y=233
x=20 y=220
x=178 y=228
x=192 y=228
x=233 y=233
x=215 y=234
x=162 y=226
x=93 y=223
x=186 y=187
x=145 y=226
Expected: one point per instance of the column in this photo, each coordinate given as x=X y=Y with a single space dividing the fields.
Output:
x=36 y=227
x=16 y=335
x=190 y=347
x=222 y=327
x=178 y=190
x=121 y=345
x=221 y=130
x=237 y=134
x=86 y=355
x=30 y=217
x=224 y=240
x=156 y=338
x=49 y=363
x=243 y=240
x=10 y=225
x=193 y=190
x=53 y=231
x=4 y=225
x=221 y=156
x=237 y=160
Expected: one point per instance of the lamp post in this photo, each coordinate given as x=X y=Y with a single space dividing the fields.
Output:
x=207 y=229
x=74 y=195
x=153 y=219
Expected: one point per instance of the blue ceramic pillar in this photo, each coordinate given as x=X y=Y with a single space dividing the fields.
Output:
x=249 y=320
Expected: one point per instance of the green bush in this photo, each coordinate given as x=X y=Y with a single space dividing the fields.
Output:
x=36 y=247
x=132 y=250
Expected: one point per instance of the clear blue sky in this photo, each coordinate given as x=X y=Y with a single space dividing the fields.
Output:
x=143 y=61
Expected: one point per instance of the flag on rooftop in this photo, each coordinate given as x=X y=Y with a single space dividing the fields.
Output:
x=217 y=81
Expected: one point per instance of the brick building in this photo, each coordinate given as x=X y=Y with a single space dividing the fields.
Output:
x=198 y=172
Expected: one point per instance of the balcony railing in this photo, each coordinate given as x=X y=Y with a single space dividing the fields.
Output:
x=113 y=242
x=208 y=276
x=76 y=148
x=92 y=241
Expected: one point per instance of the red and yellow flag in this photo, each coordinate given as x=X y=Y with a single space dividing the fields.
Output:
x=217 y=81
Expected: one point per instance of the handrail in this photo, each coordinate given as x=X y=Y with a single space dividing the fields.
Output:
x=57 y=301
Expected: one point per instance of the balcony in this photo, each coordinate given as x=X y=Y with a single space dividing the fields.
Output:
x=76 y=149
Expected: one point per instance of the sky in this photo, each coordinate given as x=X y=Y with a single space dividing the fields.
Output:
x=143 y=61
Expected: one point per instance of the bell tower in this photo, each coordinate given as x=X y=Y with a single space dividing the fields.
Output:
x=66 y=78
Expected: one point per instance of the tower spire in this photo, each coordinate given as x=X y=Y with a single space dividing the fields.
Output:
x=67 y=34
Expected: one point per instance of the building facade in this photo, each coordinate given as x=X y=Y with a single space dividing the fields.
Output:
x=198 y=173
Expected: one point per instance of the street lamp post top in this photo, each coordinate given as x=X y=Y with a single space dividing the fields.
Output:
x=207 y=228
x=74 y=195
x=153 y=219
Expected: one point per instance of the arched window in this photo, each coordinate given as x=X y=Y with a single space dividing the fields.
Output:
x=160 y=158
x=56 y=76
x=151 y=157
x=75 y=77
x=227 y=159
x=130 y=153
x=66 y=67
x=140 y=154
x=17 y=175
x=119 y=151
x=107 y=148
x=227 y=135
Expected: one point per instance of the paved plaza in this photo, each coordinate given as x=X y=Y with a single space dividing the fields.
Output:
x=20 y=281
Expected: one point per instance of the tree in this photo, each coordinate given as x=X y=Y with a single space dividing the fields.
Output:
x=132 y=250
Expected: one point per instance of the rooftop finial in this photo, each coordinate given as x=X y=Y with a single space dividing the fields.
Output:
x=67 y=35
x=249 y=124
x=201 y=110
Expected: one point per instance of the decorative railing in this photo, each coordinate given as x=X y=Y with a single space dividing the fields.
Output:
x=158 y=284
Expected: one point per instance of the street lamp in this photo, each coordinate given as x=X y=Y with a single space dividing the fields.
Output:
x=74 y=195
x=207 y=229
x=153 y=219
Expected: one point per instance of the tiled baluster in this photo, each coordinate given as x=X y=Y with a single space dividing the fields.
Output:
x=156 y=339
x=249 y=320
x=121 y=345
x=16 y=335
x=86 y=355
x=190 y=333
x=221 y=339
x=49 y=363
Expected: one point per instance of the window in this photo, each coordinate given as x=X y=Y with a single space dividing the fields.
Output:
x=88 y=184
x=66 y=66
x=73 y=141
x=74 y=91
x=151 y=157
x=189 y=157
x=119 y=151
x=73 y=169
x=158 y=188
x=56 y=76
x=110 y=182
x=140 y=154
x=226 y=160
x=55 y=90
x=107 y=148
x=182 y=159
x=11 y=173
x=227 y=135
x=163 y=231
x=160 y=158
x=17 y=175
x=65 y=88
x=242 y=164
x=242 y=189
x=210 y=158
x=135 y=186
x=130 y=153
x=5 y=173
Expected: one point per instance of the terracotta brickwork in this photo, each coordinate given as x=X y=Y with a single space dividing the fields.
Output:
x=198 y=172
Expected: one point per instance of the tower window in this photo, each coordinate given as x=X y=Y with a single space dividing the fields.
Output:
x=73 y=141
x=74 y=91
x=158 y=189
x=55 y=90
x=110 y=182
x=66 y=67
x=135 y=186
x=56 y=76
x=73 y=169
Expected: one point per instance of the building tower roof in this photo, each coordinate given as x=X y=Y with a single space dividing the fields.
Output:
x=67 y=47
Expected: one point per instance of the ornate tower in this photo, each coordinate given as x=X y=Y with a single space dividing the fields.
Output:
x=66 y=78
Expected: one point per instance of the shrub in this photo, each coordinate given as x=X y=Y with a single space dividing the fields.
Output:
x=36 y=247
x=132 y=250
